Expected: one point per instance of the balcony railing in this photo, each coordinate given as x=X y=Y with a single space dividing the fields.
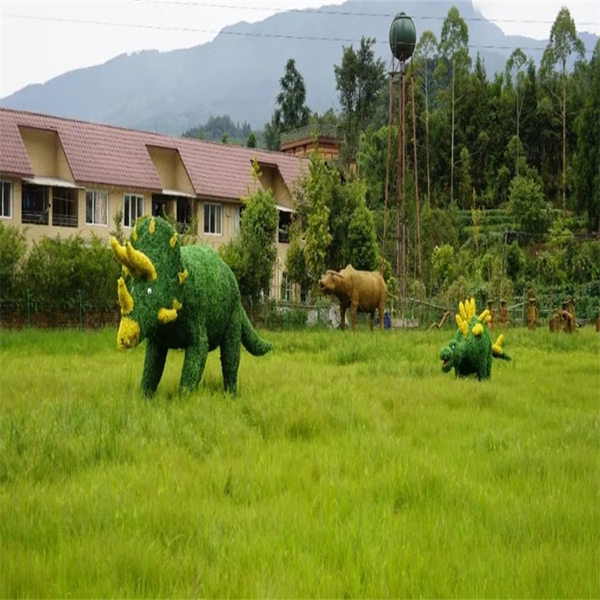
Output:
x=34 y=217
x=64 y=220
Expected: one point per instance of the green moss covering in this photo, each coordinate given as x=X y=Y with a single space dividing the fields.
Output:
x=180 y=297
x=471 y=350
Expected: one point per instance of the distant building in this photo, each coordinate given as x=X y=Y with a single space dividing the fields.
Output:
x=63 y=176
x=301 y=141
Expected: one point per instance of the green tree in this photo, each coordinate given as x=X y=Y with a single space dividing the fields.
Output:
x=251 y=141
x=515 y=261
x=563 y=42
x=12 y=250
x=515 y=64
x=292 y=111
x=587 y=159
x=362 y=247
x=454 y=46
x=425 y=51
x=465 y=184
x=318 y=236
x=295 y=263
x=359 y=80
x=251 y=255
x=443 y=261
x=373 y=160
x=272 y=135
x=527 y=206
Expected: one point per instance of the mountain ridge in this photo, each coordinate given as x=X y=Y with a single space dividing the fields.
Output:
x=238 y=72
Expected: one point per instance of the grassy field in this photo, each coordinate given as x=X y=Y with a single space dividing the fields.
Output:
x=348 y=466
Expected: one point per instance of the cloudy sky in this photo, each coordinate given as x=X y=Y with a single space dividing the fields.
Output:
x=40 y=40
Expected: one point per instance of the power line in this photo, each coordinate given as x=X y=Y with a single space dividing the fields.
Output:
x=346 y=13
x=239 y=33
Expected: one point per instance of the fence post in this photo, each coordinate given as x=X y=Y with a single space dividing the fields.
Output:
x=80 y=310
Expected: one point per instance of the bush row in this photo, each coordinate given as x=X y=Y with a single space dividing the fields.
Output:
x=57 y=274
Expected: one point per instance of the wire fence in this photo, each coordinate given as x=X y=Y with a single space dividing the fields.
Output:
x=412 y=313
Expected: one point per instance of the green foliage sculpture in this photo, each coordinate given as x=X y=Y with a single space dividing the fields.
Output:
x=471 y=351
x=180 y=297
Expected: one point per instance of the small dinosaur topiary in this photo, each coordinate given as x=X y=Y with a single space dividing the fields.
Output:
x=471 y=351
x=180 y=297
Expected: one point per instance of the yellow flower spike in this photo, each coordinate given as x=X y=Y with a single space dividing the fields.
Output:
x=477 y=329
x=471 y=308
x=182 y=276
x=177 y=305
x=134 y=234
x=125 y=299
x=152 y=226
x=462 y=326
x=125 y=271
x=463 y=312
x=173 y=240
x=484 y=317
x=497 y=347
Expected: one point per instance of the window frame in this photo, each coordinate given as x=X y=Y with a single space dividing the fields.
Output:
x=94 y=200
x=217 y=207
x=138 y=198
x=10 y=199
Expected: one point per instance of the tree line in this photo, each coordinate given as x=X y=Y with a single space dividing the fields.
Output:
x=509 y=167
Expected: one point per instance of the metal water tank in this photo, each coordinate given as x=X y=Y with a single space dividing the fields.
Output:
x=403 y=36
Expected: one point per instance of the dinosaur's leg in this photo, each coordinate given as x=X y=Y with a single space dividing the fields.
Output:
x=154 y=365
x=230 y=356
x=342 y=317
x=381 y=316
x=193 y=365
x=486 y=371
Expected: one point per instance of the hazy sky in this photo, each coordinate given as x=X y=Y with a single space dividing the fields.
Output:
x=40 y=40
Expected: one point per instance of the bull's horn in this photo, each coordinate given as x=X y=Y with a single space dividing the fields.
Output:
x=125 y=299
x=140 y=263
x=120 y=252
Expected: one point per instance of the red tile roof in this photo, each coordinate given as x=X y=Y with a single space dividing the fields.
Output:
x=103 y=154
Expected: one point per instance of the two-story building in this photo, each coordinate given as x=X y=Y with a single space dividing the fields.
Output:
x=63 y=176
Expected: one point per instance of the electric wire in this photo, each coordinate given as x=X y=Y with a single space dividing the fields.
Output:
x=347 y=13
x=239 y=33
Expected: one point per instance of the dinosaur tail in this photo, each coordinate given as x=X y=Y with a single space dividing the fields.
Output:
x=251 y=340
x=497 y=350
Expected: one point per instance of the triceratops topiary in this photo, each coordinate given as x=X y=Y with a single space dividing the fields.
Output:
x=471 y=351
x=180 y=297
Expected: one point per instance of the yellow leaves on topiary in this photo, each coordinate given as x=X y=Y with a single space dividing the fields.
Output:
x=125 y=298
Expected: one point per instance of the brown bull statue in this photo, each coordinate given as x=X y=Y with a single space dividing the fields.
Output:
x=358 y=290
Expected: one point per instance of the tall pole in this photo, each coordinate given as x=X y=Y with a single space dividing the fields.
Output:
x=400 y=225
x=414 y=120
x=387 y=166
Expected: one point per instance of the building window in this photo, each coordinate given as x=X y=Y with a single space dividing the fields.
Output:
x=6 y=199
x=96 y=207
x=133 y=208
x=286 y=287
x=213 y=219
x=35 y=207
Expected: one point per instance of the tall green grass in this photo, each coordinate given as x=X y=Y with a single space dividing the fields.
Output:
x=349 y=465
